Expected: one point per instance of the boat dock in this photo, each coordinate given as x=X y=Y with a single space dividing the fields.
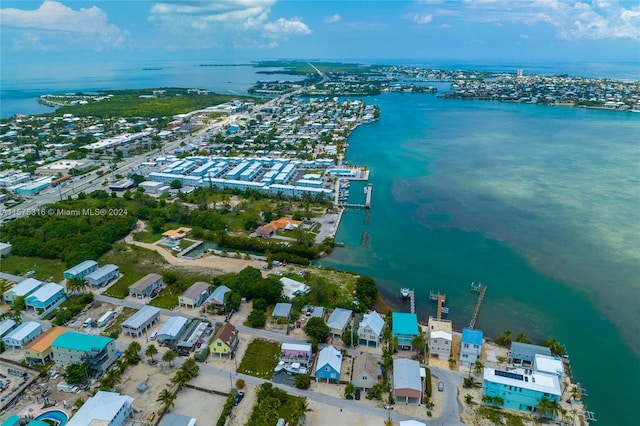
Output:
x=481 y=289
x=440 y=299
x=368 y=190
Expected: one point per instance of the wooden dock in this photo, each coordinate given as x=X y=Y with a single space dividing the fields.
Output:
x=412 y=301
x=440 y=299
x=481 y=289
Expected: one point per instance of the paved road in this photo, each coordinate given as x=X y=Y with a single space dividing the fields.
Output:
x=450 y=410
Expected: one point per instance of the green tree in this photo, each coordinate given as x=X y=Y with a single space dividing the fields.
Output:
x=478 y=366
x=468 y=398
x=521 y=338
x=76 y=373
x=418 y=343
x=151 y=351
x=366 y=291
x=504 y=339
x=167 y=399
x=256 y=319
x=349 y=389
x=77 y=285
x=19 y=304
x=176 y=184
x=302 y=381
x=317 y=329
x=169 y=356
x=346 y=336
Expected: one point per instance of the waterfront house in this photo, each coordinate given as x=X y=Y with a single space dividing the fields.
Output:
x=146 y=285
x=225 y=340
x=338 y=321
x=470 y=346
x=366 y=371
x=521 y=389
x=72 y=347
x=104 y=408
x=370 y=329
x=440 y=338
x=404 y=328
x=22 y=335
x=407 y=382
x=45 y=298
x=195 y=295
x=81 y=269
x=524 y=353
x=329 y=364
x=102 y=276
x=40 y=350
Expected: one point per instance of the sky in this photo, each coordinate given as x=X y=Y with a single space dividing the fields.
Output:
x=356 y=30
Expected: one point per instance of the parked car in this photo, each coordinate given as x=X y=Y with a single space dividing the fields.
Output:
x=238 y=397
x=357 y=394
x=441 y=386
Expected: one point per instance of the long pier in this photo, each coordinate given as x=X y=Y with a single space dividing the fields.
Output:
x=412 y=301
x=440 y=299
x=481 y=289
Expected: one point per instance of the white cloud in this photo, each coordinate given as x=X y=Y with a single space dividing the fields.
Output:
x=283 y=27
x=54 y=23
x=419 y=18
x=332 y=19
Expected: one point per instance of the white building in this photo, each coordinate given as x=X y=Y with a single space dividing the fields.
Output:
x=141 y=321
x=370 y=329
x=104 y=409
x=23 y=334
x=23 y=288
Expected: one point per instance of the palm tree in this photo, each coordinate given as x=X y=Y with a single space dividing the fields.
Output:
x=575 y=392
x=545 y=406
x=419 y=344
x=167 y=398
x=180 y=379
x=300 y=411
x=169 y=356
x=151 y=351
x=478 y=366
x=77 y=285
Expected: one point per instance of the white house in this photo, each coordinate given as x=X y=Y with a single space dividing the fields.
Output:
x=23 y=288
x=141 y=321
x=23 y=334
x=104 y=408
x=370 y=329
x=440 y=338
x=338 y=321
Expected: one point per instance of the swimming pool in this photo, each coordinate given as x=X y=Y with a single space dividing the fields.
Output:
x=56 y=415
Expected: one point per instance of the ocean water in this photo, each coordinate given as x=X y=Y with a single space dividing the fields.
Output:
x=538 y=203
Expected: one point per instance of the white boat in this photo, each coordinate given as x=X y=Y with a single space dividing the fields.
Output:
x=279 y=367
x=295 y=368
x=404 y=292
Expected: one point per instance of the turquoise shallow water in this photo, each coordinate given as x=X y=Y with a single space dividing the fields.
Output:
x=539 y=203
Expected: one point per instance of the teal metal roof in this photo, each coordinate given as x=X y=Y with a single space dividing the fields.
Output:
x=404 y=324
x=81 y=341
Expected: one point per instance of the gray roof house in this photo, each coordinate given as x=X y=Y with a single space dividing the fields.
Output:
x=141 y=321
x=370 y=329
x=101 y=277
x=407 y=383
x=366 y=371
x=525 y=353
x=217 y=297
x=282 y=310
x=145 y=285
x=172 y=329
x=339 y=320
x=195 y=295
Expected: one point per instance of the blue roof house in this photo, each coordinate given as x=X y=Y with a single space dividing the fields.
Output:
x=81 y=270
x=404 y=328
x=329 y=364
x=217 y=297
x=470 y=346
x=45 y=298
x=101 y=277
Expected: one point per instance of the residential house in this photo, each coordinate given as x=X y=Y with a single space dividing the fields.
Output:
x=98 y=352
x=407 y=382
x=175 y=419
x=172 y=329
x=292 y=288
x=217 y=297
x=521 y=389
x=104 y=408
x=20 y=336
x=225 y=340
x=265 y=231
x=370 y=329
x=45 y=298
x=338 y=321
x=102 y=276
x=81 y=270
x=470 y=346
x=296 y=352
x=39 y=350
x=524 y=353
x=146 y=285
x=548 y=365
x=6 y=326
x=329 y=364
x=177 y=234
x=195 y=295
x=22 y=289
x=366 y=371
x=404 y=328
x=141 y=321
x=440 y=338
x=282 y=311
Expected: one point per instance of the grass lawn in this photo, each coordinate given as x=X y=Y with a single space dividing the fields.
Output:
x=288 y=407
x=260 y=359
x=166 y=301
x=44 y=269
x=184 y=243
x=134 y=263
x=147 y=237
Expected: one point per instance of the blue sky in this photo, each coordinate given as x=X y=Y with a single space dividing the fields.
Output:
x=237 y=30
